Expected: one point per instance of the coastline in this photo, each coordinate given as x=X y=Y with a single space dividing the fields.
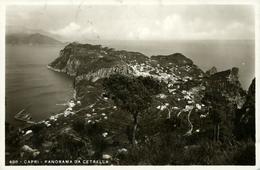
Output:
x=54 y=69
x=54 y=117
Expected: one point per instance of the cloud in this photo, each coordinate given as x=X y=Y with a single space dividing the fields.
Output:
x=140 y=33
x=237 y=29
x=178 y=27
x=68 y=30
x=170 y=27
x=138 y=22
x=76 y=32
x=172 y=22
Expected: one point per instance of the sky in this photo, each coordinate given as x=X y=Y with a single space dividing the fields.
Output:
x=136 y=22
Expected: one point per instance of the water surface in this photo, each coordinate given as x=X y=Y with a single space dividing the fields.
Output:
x=30 y=83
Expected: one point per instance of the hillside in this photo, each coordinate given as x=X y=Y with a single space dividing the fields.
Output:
x=129 y=109
x=30 y=39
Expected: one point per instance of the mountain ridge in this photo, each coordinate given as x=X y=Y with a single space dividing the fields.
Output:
x=31 y=39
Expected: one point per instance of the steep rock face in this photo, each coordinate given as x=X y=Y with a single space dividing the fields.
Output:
x=176 y=58
x=227 y=83
x=211 y=71
x=85 y=59
x=245 y=117
x=105 y=72
x=181 y=65
x=75 y=57
x=178 y=67
x=223 y=96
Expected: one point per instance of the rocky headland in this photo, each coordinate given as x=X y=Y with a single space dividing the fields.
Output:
x=183 y=115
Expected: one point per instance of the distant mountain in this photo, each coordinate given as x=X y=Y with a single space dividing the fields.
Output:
x=31 y=39
x=12 y=29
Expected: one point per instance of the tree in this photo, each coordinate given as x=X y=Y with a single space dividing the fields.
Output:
x=131 y=94
x=217 y=111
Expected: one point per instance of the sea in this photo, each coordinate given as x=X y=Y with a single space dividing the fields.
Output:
x=29 y=84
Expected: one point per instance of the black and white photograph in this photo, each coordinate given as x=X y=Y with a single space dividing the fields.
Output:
x=129 y=84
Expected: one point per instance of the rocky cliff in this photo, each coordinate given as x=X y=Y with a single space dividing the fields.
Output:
x=245 y=116
x=227 y=83
x=186 y=86
x=82 y=59
x=211 y=71
x=190 y=108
